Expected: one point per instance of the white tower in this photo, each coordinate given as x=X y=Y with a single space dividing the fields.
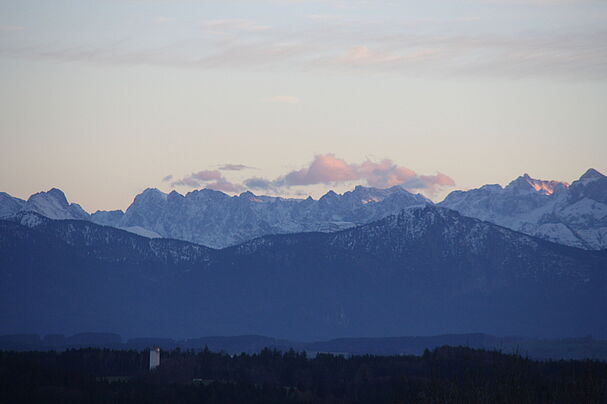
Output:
x=154 y=358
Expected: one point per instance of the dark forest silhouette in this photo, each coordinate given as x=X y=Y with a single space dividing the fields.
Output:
x=444 y=375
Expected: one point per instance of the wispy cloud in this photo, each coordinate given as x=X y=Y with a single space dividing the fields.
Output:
x=211 y=179
x=411 y=47
x=224 y=185
x=363 y=56
x=167 y=178
x=195 y=179
x=260 y=183
x=186 y=182
x=234 y=167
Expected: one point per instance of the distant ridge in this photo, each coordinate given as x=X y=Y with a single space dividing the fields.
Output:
x=570 y=214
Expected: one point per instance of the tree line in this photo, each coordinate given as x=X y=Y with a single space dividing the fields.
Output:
x=443 y=375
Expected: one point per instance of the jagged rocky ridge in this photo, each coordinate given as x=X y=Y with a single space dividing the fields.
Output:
x=217 y=220
x=53 y=204
x=574 y=215
x=424 y=271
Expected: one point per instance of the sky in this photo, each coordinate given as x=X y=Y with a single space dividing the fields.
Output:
x=104 y=98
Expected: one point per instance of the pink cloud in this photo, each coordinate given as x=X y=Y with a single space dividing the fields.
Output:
x=385 y=174
x=324 y=169
x=431 y=182
x=329 y=169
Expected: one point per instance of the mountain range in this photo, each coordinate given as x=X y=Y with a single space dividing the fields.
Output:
x=574 y=215
x=427 y=270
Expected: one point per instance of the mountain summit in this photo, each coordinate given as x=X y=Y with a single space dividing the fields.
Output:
x=54 y=205
x=591 y=175
x=574 y=215
x=527 y=184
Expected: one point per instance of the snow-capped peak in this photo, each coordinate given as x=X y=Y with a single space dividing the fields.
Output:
x=152 y=193
x=29 y=219
x=54 y=205
x=525 y=183
x=215 y=219
x=9 y=205
x=574 y=215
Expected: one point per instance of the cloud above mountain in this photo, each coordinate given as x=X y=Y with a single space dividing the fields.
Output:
x=331 y=170
x=324 y=169
x=211 y=179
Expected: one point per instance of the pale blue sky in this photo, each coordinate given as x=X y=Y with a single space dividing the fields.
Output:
x=104 y=98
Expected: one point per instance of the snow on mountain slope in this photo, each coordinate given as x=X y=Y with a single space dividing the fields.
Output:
x=9 y=205
x=107 y=218
x=574 y=215
x=217 y=220
x=54 y=205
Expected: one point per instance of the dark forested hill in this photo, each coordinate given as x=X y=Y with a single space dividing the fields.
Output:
x=425 y=271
